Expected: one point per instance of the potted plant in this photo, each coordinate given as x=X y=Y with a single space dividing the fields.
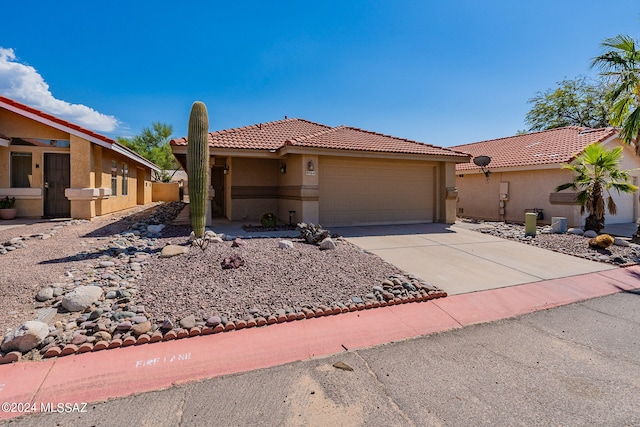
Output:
x=7 y=209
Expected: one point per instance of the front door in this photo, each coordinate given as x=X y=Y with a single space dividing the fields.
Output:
x=217 y=182
x=57 y=178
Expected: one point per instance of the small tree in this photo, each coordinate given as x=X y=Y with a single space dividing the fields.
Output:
x=597 y=171
x=573 y=103
x=153 y=145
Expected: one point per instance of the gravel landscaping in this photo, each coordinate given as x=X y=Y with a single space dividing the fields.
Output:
x=622 y=253
x=78 y=286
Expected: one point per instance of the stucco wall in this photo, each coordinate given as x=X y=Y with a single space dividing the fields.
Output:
x=90 y=167
x=254 y=188
x=165 y=191
x=480 y=198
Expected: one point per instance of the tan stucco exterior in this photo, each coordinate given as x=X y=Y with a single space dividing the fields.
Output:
x=528 y=188
x=165 y=191
x=89 y=192
x=255 y=184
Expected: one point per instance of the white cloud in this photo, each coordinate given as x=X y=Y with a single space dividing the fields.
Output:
x=24 y=84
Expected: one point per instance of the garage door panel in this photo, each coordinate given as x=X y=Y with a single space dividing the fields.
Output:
x=355 y=191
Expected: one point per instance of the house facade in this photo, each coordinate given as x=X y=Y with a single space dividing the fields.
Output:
x=55 y=168
x=526 y=169
x=305 y=171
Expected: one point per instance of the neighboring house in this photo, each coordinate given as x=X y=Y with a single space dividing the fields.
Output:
x=55 y=168
x=526 y=169
x=329 y=175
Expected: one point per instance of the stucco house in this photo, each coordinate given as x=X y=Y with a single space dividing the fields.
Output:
x=306 y=171
x=524 y=171
x=55 y=168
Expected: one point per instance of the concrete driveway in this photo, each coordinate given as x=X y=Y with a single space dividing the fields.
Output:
x=460 y=260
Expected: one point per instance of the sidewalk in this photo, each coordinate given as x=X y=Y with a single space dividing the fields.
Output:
x=121 y=372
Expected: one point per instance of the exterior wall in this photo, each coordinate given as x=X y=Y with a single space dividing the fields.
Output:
x=165 y=191
x=254 y=188
x=90 y=171
x=480 y=198
x=299 y=190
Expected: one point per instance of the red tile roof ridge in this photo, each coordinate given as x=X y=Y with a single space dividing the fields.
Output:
x=261 y=125
x=302 y=138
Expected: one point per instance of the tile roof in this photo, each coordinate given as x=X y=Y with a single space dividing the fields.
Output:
x=552 y=146
x=261 y=136
x=350 y=138
x=82 y=132
x=303 y=133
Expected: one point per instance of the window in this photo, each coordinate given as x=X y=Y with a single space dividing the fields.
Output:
x=125 y=179
x=114 y=178
x=21 y=170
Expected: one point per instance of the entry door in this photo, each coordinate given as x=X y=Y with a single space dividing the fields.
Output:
x=217 y=182
x=57 y=178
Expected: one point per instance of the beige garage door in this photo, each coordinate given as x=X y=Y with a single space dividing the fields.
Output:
x=367 y=191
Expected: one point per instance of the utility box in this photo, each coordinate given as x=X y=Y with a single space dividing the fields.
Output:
x=559 y=224
x=530 y=219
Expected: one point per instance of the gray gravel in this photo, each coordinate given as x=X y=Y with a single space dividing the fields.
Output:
x=565 y=243
x=270 y=279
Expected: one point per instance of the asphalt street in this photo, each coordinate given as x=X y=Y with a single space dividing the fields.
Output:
x=570 y=366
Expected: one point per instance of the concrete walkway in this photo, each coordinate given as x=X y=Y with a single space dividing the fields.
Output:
x=460 y=260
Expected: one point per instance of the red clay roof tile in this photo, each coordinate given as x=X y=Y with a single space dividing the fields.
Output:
x=303 y=133
x=552 y=146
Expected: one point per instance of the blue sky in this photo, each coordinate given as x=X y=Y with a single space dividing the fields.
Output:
x=440 y=72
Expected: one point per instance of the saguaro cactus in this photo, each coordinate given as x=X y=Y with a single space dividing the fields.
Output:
x=198 y=166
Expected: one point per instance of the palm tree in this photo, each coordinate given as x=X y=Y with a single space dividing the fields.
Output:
x=620 y=64
x=597 y=171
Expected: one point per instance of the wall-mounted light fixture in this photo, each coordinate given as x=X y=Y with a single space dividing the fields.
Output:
x=226 y=169
x=310 y=167
x=283 y=168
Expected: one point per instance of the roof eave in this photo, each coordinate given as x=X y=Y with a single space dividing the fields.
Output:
x=113 y=145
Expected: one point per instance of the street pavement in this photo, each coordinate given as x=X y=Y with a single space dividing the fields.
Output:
x=573 y=365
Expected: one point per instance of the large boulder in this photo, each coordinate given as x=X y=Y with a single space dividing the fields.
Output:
x=602 y=241
x=590 y=234
x=81 y=298
x=173 y=250
x=25 y=337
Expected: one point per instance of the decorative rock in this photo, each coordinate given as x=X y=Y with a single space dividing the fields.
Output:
x=11 y=357
x=26 y=337
x=100 y=345
x=173 y=250
x=602 y=241
x=155 y=229
x=576 y=231
x=188 y=322
x=69 y=349
x=105 y=264
x=237 y=243
x=621 y=242
x=128 y=341
x=590 y=233
x=141 y=328
x=85 y=348
x=327 y=244
x=216 y=240
x=213 y=321
x=81 y=298
x=124 y=326
x=233 y=261
x=285 y=244
x=44 y=294
x=79 y=339
x=52 y=352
